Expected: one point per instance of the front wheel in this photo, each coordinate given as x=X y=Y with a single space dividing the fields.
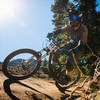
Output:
x=21 y=64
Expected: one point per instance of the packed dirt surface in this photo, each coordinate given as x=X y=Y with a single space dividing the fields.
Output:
x=38 y=87
x=29 y=89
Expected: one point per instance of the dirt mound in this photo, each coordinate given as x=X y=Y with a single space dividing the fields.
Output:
x=34 y=88
x=39 y=87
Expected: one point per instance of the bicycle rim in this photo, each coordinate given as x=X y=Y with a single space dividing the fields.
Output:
x=13 y=64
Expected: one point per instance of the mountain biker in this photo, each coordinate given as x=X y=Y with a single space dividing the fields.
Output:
x=77 y=31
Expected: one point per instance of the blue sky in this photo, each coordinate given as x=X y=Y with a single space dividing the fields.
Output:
x=98 y=7
x=24 y=24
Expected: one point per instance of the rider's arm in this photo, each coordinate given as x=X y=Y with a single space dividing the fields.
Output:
x=58 y=31
x=84 y=35
x=61 y=30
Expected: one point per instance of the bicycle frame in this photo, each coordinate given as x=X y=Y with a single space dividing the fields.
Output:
x=47 y=51
x=52 y=47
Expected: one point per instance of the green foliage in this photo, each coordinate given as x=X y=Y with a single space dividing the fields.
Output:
x=86 y=70
x=92 y=19
x=97 y=97
x=59 y=16
x=45 y=63
x=87 y=64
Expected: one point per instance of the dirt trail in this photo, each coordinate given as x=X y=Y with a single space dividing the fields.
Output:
x=35 y=88
x=30 y=89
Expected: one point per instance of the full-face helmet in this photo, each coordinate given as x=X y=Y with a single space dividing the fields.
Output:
x=74 y=17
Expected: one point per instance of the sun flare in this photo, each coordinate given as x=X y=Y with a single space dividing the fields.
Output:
x=7 y=9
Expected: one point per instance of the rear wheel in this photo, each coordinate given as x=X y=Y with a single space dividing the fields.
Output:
x=16 y=65
x=57 y=71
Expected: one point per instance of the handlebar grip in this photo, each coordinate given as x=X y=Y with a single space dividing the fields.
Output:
x=72 y=49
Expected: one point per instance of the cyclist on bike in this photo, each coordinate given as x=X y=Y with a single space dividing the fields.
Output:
x=77 y=31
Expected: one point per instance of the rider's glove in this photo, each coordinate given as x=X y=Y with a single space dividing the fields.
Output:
x=49 y=36
x=78 y=48
x=66 y=52
x=75 y=50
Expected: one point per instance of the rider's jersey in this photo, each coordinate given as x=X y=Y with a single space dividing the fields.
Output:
x=80 y=34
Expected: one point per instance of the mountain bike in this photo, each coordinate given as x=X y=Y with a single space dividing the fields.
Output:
x=23 y=63
x=91 y=60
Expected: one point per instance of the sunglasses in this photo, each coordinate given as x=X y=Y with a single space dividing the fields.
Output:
x=73 y=17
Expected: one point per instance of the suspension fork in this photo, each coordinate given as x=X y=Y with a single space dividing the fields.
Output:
x=73 y=55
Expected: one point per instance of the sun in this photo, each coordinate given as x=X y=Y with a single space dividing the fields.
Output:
x=7 y=9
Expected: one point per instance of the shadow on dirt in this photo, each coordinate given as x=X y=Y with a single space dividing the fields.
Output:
x=7 y=89
x=31 y=94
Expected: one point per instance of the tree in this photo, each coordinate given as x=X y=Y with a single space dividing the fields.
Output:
x=44 y=66
x=92 y=19
x=59 y=18
x=45 y=63
x=59 y=9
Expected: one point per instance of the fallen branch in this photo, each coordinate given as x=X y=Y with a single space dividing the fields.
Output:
x=95 y=79
x=76 y=88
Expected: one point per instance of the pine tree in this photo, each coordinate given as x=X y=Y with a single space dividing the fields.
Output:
x=60 y=18
x=91 y=18
x=45 y=63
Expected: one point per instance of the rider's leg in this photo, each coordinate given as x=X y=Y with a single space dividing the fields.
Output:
x=70 y=61
x=69 y=65
x=55 y=57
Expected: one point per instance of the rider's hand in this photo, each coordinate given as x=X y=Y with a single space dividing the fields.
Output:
x=75 y=50
x=49 y=36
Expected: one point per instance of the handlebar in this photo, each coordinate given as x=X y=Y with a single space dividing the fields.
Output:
x=54 y=40
x=75 y=44
x=68 y=51
x=79 y=42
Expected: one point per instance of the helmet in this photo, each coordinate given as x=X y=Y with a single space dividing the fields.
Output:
x=74 y=17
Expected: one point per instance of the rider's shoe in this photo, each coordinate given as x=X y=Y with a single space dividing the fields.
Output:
x=67 y=76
